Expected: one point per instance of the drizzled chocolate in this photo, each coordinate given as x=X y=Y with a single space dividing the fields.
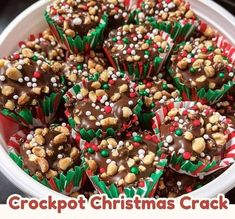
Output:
x=76 y=17
x=123 y=161
x=77 y=67
x=201 y=64
x=104 y=101
x=197 y=133
x=25 y=81
x=50 y=151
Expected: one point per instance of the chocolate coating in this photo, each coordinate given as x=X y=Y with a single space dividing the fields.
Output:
x=76 y=17
x=201 y=64
x=197 y=133
x=103 y=102
x=125 y=157
x=50 y=151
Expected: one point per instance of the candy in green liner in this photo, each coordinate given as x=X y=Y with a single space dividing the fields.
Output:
x=101 y=105
x=77 y=26
x=154 y=94
x=202 y=70
x=31 y=88
x=50 y=156
x=80 y=66
x=130 y=165
x=197 y=139
x=175 y=18
x=141 y=50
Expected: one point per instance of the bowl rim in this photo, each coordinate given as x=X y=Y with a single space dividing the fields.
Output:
x=33 y=188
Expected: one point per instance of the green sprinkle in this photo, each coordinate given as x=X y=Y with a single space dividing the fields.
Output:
x=134 y=170
x=114 y=39
x=152 y=105
x=137 y=138
x=210 y=48
x=160 y=50
x=192 y=70
x=105 y=86
x=122 y=74
x=164 y=86
x=143 y=93
x=221 y=75
x=104 y=153
x=179 y=132
x=90 y=150
x=148 y=41
x=79 y=67
x=35 y=58
x=147 y=53
x=125 y=40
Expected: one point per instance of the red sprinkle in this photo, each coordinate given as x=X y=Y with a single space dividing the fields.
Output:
x=136 y=144
x=186 y=155
x=148 y=137
x=149 y=84
x=99 y=98
x=102 y=170
x=188 y=189
x=196 y=123
x=129 y=50
x=141 y=184
x=185 y=113
x=172 y=129
x=132 y=95
x=37 y=74
x=16 y=56
x=108 y=109
x=21 y=43
x=111 y=82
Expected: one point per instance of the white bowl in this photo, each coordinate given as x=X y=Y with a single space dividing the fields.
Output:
x=31 y=21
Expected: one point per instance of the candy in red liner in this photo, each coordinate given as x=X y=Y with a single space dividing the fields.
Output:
x=50 y=156
x=101 y=105
x=141 y=50
x=203 y=70
x=130 y=165
x=77 y=26
x=198 y=140
x=31 y=89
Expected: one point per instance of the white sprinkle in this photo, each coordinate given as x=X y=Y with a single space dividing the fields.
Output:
x=15 y=97
x=26 y=78
x=141 y=151
x=2 y=78
x=88 y=113
x=34 y=79
x=130 y=102
x=59 y=156
x=181 y=151
x=29 y=84
x=179 y=183
x=29 y=137
x=169 y=139
x=79 y=97
x=77 y=21
x=108 y=161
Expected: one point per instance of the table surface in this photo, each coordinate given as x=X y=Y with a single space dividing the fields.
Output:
x=7 y=13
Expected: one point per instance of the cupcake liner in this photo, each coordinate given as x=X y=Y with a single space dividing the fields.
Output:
x=145 y=118
x=178 y=163
x=147 y=189
x=36 y=116
x=63 y=183
x=203 y=95
x=90 y=134
x=78 y=44
x=142 y=70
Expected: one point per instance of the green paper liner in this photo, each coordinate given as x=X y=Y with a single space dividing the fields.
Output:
x=148 y=189
x=90 y=134
x=202 y=95
x=66 y=183
x=178 y=163
x=37 y=116
x=142 y=69
x=78 y=43
x=145 y=117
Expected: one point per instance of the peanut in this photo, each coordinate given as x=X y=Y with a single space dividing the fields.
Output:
x=7 y=90
x=130 y=178
x=92 y=165
x=112 y=169
x=149 y=158
x=14 y=74
x=59 y=139
x=64 y=163
x=198 y=145
x=126 y=112
x=39 y=152
x=220 y=138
